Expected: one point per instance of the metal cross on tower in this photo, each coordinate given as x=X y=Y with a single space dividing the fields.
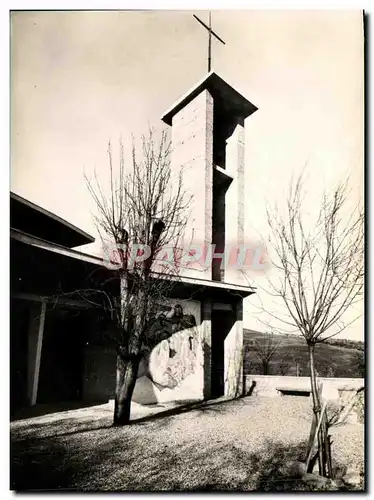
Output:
x=211 y=32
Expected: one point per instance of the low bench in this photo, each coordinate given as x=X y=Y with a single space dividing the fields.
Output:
x=293 y=391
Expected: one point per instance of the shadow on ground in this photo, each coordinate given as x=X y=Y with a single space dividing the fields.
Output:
x=219 y=406
x=47 y=409
x=155 y=453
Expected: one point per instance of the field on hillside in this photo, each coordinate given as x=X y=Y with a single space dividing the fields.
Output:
x=331 y=360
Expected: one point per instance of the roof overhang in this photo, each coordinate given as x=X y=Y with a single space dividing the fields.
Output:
x=228 y=99
x=189 y=288
x=33 y=219
x=33 y=241
x=181 y=286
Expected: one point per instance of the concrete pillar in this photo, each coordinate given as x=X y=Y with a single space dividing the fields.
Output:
x=192 y=150
x=206 y=339
x=35 y=342
x=234 y=210
x=234 y=354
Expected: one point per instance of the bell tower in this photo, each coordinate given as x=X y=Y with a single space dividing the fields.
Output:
x=208 y=139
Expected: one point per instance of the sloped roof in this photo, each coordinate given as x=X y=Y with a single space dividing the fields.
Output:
x=32 y=219
x=228 y=99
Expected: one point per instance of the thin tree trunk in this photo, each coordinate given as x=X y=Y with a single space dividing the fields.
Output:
x=316 y=409
x=316 y=431
x=328 y=450
x=325 y=440
x=127 y=371
x=327 y=465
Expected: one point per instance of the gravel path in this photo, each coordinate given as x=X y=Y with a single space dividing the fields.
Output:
x=232 y=445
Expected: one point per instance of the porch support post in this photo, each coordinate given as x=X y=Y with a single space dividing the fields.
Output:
x=234 y=354
x=35 y=342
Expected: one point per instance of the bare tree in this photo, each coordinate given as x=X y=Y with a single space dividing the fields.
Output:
x=297 y=361
x=320 y=274
x=284 y=367
x=144 y=212
x=265 y=350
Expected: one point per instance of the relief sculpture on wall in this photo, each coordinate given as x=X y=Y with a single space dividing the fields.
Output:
x=173 y=356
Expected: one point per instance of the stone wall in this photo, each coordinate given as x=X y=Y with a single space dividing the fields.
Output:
x=233 y=349
x=192 y=150
x=181 y=366
x=174 y=369
x=234 y=202
x=334 y=389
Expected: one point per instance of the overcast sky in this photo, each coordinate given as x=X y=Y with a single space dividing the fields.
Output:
x=81 y=78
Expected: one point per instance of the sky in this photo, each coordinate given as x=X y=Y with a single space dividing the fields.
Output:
x=79 y=79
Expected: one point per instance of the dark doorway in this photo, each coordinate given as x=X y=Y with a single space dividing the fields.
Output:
x=19 y=323
x=222 y=322
x=61 y=367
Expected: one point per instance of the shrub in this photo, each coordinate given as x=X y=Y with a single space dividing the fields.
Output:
x=359 y=407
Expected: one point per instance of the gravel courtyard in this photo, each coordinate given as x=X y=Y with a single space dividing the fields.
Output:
x=220 y=445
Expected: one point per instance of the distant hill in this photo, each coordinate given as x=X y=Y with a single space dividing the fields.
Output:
x=336 y=358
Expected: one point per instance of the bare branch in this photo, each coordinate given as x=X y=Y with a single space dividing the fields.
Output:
x=321 y=269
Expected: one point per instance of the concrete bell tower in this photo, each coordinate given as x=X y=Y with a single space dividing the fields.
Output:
x=208 y=139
